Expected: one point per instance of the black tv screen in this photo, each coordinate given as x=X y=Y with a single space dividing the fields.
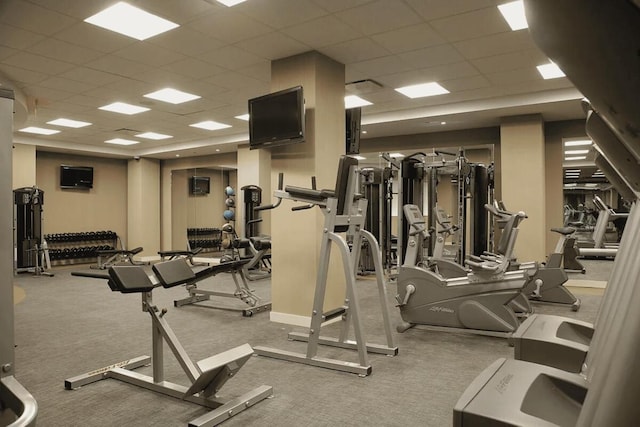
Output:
x=199 y=185
x=277 y=118
x=76 y=176
x=352 y=126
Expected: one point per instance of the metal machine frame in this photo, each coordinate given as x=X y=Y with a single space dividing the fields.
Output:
x=343 y=213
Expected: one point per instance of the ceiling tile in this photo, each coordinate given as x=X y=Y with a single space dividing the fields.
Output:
x=119 y=66
x=33 y=18
x=282 y=13
x=233 y=80
x=181 y=11
x=408 y=38
x=379 y=16
x=89 y=76
x=495 y=44
x=514 y=76
x=354 y=50
x=229 y=26
x=338 y=5
x=94 y=38
x=21 y=76
x=45 y=95
x=382 y=66
x=510 y=61
x=6 y=51
x=193 y=68
x=273 y=46
x=434 y=9
x=149 y=54
x=467 y=83
x=63 y=51
x=60 y=83
x=37 y=63
x=431 y=56
x=438 y=73
x=80 y=9
x=231 y=57
x=321 y=32
x=470 y=25
x=260 y=71
x=18 y=38
x=186 y=41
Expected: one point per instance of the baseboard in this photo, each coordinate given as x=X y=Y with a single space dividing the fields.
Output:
x=577 y=283
x=295 y=319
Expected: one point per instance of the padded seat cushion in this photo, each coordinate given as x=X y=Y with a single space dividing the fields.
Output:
x=129 y=279
x=173 y=273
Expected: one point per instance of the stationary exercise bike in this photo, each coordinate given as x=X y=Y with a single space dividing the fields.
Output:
x=477 y=302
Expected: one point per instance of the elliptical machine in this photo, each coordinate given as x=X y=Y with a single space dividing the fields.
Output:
x=477 y=302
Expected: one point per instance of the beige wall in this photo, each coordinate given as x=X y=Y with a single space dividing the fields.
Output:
x=143 y=199
x=24 y=165
x=104 y=207
x=523 y=181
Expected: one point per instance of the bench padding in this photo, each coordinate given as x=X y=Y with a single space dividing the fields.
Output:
x=129 y=279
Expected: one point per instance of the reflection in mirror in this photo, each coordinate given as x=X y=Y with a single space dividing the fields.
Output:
x=584 y=185
x=201 y=204
x=451 y=191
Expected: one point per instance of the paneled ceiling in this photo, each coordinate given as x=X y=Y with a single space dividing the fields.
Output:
x=61 y=66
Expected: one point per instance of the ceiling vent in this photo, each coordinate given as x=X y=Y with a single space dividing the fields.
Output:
x=362 y=87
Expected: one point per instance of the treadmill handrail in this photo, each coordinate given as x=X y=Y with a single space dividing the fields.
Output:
x=23 y=404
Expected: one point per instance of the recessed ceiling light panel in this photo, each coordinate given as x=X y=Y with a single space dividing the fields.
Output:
x=121 y=141
x=354 y=101
x=550 y=71
x=68 y=123
x=576 y=158
x=244 y=117
x=153 y=135
x=513 y=13
x=210 y=125
x=422 y=90
x=124 y=108
x=230 y=3
x=576 y=152
x=577 y=143
x=39 y=131
x=130 y=21
x=172 y=96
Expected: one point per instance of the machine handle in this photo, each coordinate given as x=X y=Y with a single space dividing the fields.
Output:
x=276 y=204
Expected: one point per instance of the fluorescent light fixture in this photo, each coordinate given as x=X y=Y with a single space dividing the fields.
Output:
x=210 y=125
x=422 y=90
x=123 y=108
x=358 y=157
x=68 y=123
x=443 y=123
x=153 y=135
x=591 y=184
x=573 y=170
x=513 y=13
x=354 y=101
x=230 y=3
x=571 y=184
x=364 y=132
x=576 y=158
x=39 y=131
x=120 y=141
x=244 y=117
x=172 y=96
x=576 y=151
x=577 y=143
x=396 y=155
x=550 y=71
x=131 y=21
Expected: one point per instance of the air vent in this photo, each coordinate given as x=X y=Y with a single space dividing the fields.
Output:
x=362 y=87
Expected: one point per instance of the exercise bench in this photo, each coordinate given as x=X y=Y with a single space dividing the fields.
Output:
x=206 y=377
x=189 y=255
x=117 y=256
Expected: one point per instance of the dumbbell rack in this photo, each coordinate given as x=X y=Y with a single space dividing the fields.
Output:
x=209 y=239
x=79 y=247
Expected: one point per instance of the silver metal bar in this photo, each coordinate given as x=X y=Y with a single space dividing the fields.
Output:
x=347 y=344
x=337 y=365
x=20 y=401
x=233 y=407
x=99 y=374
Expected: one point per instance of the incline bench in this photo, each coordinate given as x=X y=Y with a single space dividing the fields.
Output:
x=206 y=376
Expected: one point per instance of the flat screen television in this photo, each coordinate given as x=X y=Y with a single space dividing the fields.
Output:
x=277 y=118
x=76 y=176
x=199 y=185
x=352 y=126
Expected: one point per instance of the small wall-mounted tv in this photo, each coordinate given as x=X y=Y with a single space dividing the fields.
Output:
x=352 y=126
x=76 y=176
x=199 y=185
x=277 y=118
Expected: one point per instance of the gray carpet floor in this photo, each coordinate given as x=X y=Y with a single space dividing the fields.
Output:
x=68 y=325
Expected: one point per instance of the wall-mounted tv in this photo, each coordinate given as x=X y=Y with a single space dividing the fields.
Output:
x=76 y=176
x=276 y=118
x=352 y=126
x=199 y=185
